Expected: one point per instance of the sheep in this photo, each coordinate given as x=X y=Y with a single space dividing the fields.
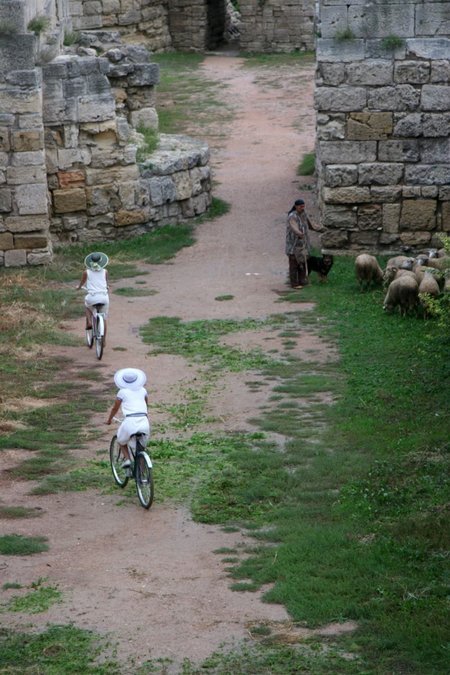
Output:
x=368 y=270
x=429 y=285
x=400 y=261
x=405 y=273
x=402 y=293
x=440 y=263
x=391 y=273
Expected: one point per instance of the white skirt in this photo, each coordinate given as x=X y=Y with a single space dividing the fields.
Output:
x=133 y=425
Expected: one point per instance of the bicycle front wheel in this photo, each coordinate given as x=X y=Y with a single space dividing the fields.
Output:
x=116 y=458
x=99 y=333
x=144 y=479
x=89 y=337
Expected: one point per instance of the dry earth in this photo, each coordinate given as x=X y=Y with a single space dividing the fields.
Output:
x=122 y=569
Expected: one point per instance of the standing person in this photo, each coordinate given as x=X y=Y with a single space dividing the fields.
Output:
x=133 y=398
x=298 y=244
x=95 y=280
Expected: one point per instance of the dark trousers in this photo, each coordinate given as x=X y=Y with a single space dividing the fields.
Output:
x=298 y=275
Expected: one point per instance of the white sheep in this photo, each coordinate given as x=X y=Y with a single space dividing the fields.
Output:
x=402 y=293
x=403 y=261
x=429 y=285
x=441 y=264
x=367 y=270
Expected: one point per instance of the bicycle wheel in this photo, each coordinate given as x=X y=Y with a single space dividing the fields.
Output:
x=89 y=337
x=116 y=458
x=144 y=479
x=100 y=331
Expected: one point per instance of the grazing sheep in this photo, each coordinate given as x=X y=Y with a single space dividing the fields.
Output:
x=440 y=263
x=402 y=293
x=421 y=259
x=429 y=285
x=405 y=273
x=367 y=270
x=400 y=261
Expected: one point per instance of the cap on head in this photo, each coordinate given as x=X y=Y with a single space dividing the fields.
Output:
x=299 y=202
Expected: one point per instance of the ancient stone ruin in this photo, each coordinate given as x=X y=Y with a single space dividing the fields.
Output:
x=383 y=123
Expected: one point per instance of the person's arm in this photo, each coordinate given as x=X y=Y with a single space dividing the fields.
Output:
x=293 y=225
x=83 y=280
x=114 y=409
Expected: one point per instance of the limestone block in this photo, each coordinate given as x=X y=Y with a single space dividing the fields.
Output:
x=92 y=7
x=65 y=201
x=339 y=217
x=332 y=74
x=102 y=199
x=32 y=199
x=15 y=258
x=351 y=152
x=415 y=238
x=339 y=175
x=340 y=99
x=6 y=241
x=39 y=257
x=71 y=179
x=382 y=19
x=371 y=72
x=29 y=241
x=440 y=72
x=28 y=101
x=127 y=195
x=370 y=217
x=435 y=97
x=401 y=97
x=30 y=121
x=427 y=174
x=74 y=87
x=430 y=191
x=444 y=192
x=4 y=139
x=384 y=194
x=330 y=50
x=68 y=157
x=5 y=200
x=436 y=124
x=161 y=190
x=330 y=130
x=364 y=239
x=27 y=141
x=445 y=217
x=376 y=49
x=334 y=239
x=435 y=151
x=379 y=173
x=124 y=217
x=391 y=218
x=409 y=191
x=123 y=129
x=346 y=195
x=418 y=214
x=144 y=75
x=364 y=126
x=408 y=125
x=26 y=159
x=95 y=108
x=146 y=117
x=17 y=224
x=111 y=175
x=183 y=185
x=398 y=151
x=412 y=72
x=432 y=19
x=17 y=175
x=386 y=238
x=18 y=51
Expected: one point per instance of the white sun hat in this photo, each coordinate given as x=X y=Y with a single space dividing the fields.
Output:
x=96 y=260
x=130 y=378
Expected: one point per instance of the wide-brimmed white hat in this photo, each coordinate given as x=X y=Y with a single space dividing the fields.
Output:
x=96 y=260
x=130 y=378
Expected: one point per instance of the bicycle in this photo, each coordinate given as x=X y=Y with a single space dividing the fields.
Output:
x=141 y=468
x=97 y=331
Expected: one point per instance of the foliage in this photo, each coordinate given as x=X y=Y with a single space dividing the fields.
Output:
x=39 y=24
x=307 y=165
x=16 y=544
x=71 y=38
x=149 y=143
x=344 y=35
x=392 y=42
x=40 y=599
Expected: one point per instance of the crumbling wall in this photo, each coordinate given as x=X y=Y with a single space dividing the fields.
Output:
x=277 y=25
x=383 y=123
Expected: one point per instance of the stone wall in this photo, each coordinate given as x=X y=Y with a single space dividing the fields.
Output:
x=383 y=124
x=277 y=25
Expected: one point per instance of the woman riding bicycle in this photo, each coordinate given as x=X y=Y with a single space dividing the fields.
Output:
x=95 y=280
x=134 y=400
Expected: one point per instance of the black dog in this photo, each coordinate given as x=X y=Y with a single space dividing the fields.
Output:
x=320 y=265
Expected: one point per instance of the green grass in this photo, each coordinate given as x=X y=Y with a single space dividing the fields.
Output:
x=16 y=544
x=130 y=292
x=39 y=599
x=277 y=60
x=149 y=143
x=307 y=165
x=19 y=512
x=59 y=650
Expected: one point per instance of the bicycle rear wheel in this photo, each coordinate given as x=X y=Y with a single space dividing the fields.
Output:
x=144 y=479
x=99 y=333
x=89 y=337
x=116 y=458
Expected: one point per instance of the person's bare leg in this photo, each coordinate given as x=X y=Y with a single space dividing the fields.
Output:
x=88 y=318
x=124 y=451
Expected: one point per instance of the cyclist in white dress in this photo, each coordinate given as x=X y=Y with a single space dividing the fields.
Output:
x=132 y=397
x=95 y=280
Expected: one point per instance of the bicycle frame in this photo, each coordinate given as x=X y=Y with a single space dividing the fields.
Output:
x=141 y=468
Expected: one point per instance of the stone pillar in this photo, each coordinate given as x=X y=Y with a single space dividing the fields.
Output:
x=277 y=25
x=24 y=207
x=383 y=124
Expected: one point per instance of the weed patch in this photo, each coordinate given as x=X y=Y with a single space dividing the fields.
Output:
x=39 y=599
x=16 y=544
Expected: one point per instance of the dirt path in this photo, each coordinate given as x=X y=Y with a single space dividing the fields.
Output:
x=121 y=568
